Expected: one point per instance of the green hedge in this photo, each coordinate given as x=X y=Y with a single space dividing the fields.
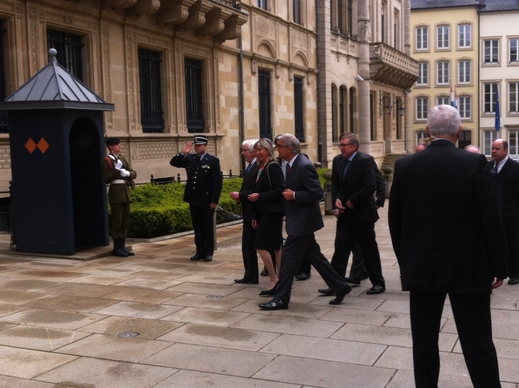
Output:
x=159 y=210
x=321 y=172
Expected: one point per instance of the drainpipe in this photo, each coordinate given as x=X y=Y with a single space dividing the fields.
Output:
x=478 y=7
x=240 y=92
x=319 y=49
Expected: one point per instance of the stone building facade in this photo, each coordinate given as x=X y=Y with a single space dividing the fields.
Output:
x=230 y=69
x=444 y=41
x=366 y=73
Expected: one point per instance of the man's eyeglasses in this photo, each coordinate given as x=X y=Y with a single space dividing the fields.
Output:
x=280 y=146
x=343 y=145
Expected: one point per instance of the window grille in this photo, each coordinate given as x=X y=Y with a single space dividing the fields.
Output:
x=264 y=104
x=299 y=110
x=194 y=96
x=152 y=116
x=69 y=48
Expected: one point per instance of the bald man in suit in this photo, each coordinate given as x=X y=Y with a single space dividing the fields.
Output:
x=448 y=237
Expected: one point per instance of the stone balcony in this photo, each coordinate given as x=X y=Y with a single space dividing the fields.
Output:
x=219 y=19
x=392 y=67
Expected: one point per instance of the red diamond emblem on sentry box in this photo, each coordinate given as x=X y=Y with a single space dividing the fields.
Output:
x=37 y=146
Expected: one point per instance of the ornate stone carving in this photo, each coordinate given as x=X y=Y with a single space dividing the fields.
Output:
x=129 y=43
x=365 y=31
x=197 y=16
x=119 y=3
x=174 y=11
x=33 y=38
x=265 y=27
x=105 y=62
x=214 y=23
x=144 y=7
x=299 y=39
x=153 y=150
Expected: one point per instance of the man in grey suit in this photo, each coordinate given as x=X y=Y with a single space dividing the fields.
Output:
x=303 y=216
x=456 y=247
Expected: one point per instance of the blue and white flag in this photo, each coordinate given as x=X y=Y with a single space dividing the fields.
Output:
x=497 y=122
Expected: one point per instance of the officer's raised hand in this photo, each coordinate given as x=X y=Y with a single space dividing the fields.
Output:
x=187 y=148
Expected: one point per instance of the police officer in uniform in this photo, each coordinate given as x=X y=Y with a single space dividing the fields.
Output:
x=118 y=172
x=203 y=189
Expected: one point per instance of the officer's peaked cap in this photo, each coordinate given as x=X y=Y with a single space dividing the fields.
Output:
x=200 y=139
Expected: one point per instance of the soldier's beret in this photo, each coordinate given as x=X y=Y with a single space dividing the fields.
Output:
x=112 y=141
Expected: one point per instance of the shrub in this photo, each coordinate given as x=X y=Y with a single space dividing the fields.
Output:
x=321 y=172
x=159 y=209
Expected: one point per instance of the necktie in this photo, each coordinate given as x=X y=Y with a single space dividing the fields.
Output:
x=346 y=165
x=495 y=167
x=249 y=167
x=287 y=169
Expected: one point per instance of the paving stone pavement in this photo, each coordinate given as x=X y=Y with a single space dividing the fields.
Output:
x=70 y=323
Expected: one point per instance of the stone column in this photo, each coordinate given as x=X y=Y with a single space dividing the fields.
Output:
x=324 y=79
x=364 y=31
x=409 y=140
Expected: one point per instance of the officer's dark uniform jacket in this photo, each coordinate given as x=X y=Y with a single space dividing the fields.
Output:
x=204 y=179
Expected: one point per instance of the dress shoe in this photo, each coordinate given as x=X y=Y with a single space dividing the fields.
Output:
x=352 y=281
x=376 y=290
x=325 y=291
x=341 y=294
x=274 y=305
x=303 y=276
x=198 y=256
x=265 y=272
x=244 y=281
x=268 y=292
x=513 y=281
x=208 y=258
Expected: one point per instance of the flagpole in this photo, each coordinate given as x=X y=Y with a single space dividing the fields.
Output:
x=497 y=120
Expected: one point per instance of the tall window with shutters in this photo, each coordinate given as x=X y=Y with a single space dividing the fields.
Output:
x=152 y=117
x=296 y=11
x=69 y=48
x=263 y=4
x=194 y=95
x=299 y=109
x=513 y=97
x=265 y=112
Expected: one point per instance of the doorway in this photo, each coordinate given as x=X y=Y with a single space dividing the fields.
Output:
x=88 y=188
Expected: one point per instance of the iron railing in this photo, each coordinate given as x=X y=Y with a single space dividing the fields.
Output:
x=231 y=3
x=178 y=178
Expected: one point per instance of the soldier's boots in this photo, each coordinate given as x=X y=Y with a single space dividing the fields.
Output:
x=118 y=248
x=123 y=247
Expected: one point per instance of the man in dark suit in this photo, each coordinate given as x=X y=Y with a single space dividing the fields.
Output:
x=507 y=174
x=448 y=237
x=250 y=257
x=353 y=185
x=202 y=192
x=358 y=269
x=303 y=217
x=118 y=172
